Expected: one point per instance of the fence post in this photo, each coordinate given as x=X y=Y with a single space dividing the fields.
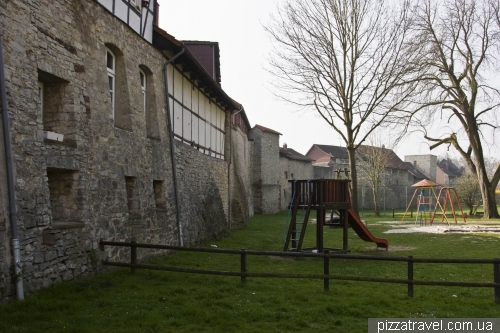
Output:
x=496 y=279
x=410 y=276
x=326 y=271
x=393 y=213
x=243 y=266
x=133 y=256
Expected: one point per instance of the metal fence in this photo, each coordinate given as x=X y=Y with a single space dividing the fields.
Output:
x=243 y=273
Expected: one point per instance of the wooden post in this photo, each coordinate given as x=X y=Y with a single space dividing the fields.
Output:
x=410 y=276
x=326 y=271
x=243 y=266
x=496 y=279
x=345 y=236
x=393 y=213
x=320 y=217
x=133 y=256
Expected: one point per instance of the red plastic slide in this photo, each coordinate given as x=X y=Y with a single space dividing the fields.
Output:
x=363 y=232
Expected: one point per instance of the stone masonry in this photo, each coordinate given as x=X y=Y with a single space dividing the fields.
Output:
x=109 y=178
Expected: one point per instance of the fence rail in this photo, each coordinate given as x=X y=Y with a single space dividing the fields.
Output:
x=326 y=276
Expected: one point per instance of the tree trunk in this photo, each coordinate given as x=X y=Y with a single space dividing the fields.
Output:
x=487 y=189
x=354 y=178
x=375 y=200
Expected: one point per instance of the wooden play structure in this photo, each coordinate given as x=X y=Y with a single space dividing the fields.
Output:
x=323 y=195
x=425 y=202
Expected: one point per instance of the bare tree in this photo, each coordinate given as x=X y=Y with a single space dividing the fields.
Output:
x=346 y=60
x=373 y=161
x=460 y=41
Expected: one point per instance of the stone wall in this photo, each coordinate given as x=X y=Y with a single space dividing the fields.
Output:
x=203 y=192
x=289 y=170
x=426 y=164
x=110 y=177
x=265 y=164
x=241 y=179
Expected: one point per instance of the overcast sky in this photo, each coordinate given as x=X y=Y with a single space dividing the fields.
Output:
x=237 y=25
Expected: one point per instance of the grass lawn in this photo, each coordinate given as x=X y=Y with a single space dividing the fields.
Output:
x=154 y=301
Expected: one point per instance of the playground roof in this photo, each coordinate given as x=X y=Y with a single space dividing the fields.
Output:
x=425 y=183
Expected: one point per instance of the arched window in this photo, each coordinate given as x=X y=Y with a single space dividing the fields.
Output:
x=111 y=69
x=143 y=79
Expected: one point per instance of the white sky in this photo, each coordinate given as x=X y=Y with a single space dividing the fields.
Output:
x=237 y=25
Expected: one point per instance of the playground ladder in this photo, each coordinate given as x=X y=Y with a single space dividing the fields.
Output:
x=297 y=230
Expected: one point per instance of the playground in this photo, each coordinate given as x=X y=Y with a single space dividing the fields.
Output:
x=155 y=301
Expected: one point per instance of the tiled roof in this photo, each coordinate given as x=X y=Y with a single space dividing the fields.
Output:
x=449 y=168
x=294 y=155
x=265 y=129
x=393 y=161
x=414 y=171
x=335 y=151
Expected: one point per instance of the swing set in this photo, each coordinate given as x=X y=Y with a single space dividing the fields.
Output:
x=424 y=202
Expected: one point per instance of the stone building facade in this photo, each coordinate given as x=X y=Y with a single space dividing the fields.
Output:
x=91 y=140
x=292 y=166
x=265 y=178
x=424 y=163
x=240 y=181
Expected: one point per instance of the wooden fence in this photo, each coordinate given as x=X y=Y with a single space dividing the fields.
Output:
x=326 y=276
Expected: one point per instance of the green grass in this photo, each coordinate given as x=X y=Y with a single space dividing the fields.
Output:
x=154 y=301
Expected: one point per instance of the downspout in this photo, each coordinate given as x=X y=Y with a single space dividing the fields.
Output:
x=172 y=148
x=229 y=167
x=16 y=251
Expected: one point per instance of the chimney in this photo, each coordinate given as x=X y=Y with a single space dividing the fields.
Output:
x=285 y=146
x=157 y=13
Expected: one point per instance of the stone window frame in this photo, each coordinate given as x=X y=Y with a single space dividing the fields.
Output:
x=53 y=93
x=41 y=90
x=111 y=71
x=132 y=194
x=144 y=89
x=151 y=113
x=62 y=218
x=159 y=194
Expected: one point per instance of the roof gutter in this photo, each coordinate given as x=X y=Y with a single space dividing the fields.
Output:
x=16 y=252
x=172 y=147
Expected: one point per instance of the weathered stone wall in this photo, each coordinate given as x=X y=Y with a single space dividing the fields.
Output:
x=241 y=179
x=288 y=170
x=106 y=179
x=426 y=164
x=265 y=163
x=203 y=191
x=395 y=191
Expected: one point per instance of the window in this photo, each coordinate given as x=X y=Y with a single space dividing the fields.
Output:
x=40 y=96
x=143 y=89
x=286 y=174
x=119 y=91
x=159 y=194
x=57 y=118
x=132 y=196
x=65 y=195
x=111 y=68
x=136 y=3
